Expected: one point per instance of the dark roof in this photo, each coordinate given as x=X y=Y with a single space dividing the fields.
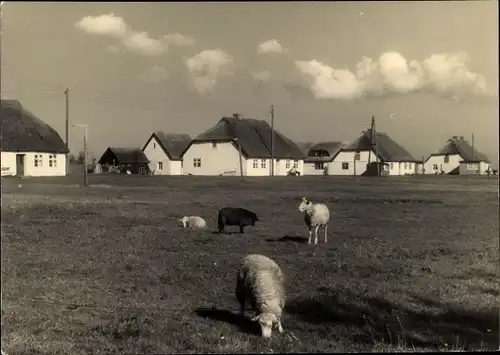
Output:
x=388 y=150
x=123 y=156
x=173 y=144
x=304 y=146
x=254 y=137
x=460 y=146
x=324 y=151
x=21 y=131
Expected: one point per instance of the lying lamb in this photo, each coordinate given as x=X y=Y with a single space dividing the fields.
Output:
x=315 y=215
x=231 y=216
x=193 y=222
x=261 y=282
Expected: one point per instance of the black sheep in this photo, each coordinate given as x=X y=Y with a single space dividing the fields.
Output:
x=231 y=216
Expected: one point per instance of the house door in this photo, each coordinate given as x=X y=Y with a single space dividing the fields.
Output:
x=20 y=164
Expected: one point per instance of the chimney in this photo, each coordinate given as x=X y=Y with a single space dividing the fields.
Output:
x=236 y=116
x=454 y=137
x=461 y=138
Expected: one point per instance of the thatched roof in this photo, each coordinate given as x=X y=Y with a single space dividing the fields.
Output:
x=21 y=131
x=388 y=149
x=324 y=151
x=254 y=137
x=304 y=146
x=123 y=156
x=460 y=146
x=173 y=144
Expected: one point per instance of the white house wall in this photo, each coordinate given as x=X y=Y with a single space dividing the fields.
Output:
x=473 y=168
x=310 y=168
x=222 y=158
x=437 y=161
x=155 y=154
x=335 y=167
x=216 y=159
x=43 y=168
x=402 y=168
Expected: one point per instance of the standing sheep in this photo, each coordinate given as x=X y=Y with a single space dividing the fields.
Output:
x=315 y=215
x=261 y=282
x=193 y=222
x=231 y=216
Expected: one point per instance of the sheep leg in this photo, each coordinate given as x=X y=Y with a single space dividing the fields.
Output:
x=280 y=327
x=316 y=234
x=326 y=228
x=310 y=235
x=242 y=229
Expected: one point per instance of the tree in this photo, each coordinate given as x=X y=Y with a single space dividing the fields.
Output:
x=81 y=157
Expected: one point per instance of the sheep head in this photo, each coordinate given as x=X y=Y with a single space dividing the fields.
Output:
x=304 y=204
x=183 y=221
x=266 y=322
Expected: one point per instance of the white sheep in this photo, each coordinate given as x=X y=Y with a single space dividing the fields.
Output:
x=315 y=215
x=193 y=222
x=261 y=282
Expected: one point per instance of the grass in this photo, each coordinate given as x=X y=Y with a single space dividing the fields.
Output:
x=410 y=264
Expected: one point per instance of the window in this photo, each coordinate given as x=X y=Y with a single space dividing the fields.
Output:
x=214 y=144
x=357 y=156
x=38 y=160
x=446 y=159
x=255 y=163
x=392 y=165
x=263 y=163
x=160 y=165
x=154 y=145
x=197 y=162
x=345 y=166
x=319 y=166
x=410 y=166
x=52 y=161
x=287 y=164
x=435 y=167
x=405 y=166
x=471 y=166
x=296 y=164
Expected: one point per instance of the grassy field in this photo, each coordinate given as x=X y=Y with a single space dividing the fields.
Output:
x=410 y=264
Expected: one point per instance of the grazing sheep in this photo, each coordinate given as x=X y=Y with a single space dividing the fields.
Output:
x=315 y=215
x=261 y=282
x=230 y=216
x=193 y=222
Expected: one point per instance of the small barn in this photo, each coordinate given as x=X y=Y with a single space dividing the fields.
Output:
x=125 y=159
x=354 y=157
x=457 y=157
x=29 y=146
x=320 y=156
x=217 y=150
x=164 y=150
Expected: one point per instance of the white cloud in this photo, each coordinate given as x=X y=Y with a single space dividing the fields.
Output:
x=177 y=39
x=207 y=66
x=270 y=46
x=263 y=75
x=139 y=42
x=107 y=24
x=155 y=74
x=392 y=73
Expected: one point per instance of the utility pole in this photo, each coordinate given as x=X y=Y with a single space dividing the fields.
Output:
x=272 y=140
x=85 y=172
x=473 y=155
x=66 y=94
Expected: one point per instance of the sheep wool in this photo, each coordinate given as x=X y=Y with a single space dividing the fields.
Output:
x=261 y=282
x=316 y=216
x=193 y=222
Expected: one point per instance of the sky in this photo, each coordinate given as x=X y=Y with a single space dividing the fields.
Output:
x=426 y=70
